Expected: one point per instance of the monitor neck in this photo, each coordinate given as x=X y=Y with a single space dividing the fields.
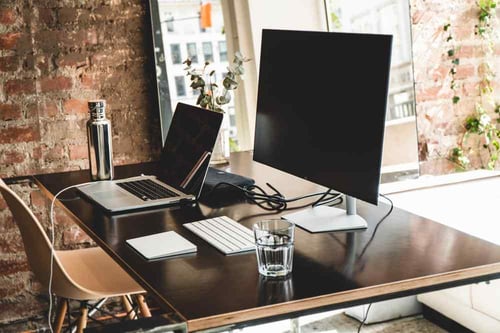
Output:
x=350 y=205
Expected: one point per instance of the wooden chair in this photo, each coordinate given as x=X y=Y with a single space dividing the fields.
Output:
x=83 y=275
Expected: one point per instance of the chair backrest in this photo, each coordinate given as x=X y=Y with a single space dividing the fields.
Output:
x=36 y=243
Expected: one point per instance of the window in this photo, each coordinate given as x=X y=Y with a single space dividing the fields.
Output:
x=209 y=45
x=175 y=51
x=180 y=86
x=208 y=52
x=222 y=51
x=192 y=52
x=388 y=17
x=169 y=21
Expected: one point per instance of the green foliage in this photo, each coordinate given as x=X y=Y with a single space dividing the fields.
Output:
x=210 y=96
x=455 y=61
x=480 y=123
x=487 y=9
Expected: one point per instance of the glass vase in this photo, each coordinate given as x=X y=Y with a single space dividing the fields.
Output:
x=220 y=154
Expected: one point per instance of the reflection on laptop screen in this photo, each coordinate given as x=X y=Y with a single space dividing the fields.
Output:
x=191 y=135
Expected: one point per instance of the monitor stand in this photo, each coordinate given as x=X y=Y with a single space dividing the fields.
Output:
x=325 y=218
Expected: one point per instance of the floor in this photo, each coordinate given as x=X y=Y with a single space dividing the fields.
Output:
x=337 y=322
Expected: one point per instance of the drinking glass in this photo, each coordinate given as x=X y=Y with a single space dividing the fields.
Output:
x=274 y=247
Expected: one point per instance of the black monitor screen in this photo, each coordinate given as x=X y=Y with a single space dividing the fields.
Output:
x=321 y=107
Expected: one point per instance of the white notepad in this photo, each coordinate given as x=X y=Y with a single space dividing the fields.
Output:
x=160 y=245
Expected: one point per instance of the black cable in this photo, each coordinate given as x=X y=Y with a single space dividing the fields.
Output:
x=364 y=319
x=378 y=224
x=277 y=201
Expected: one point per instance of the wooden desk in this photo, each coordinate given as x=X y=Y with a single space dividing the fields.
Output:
x=408 y=254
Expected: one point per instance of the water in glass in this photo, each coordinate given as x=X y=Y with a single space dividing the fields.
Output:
x=274 y=246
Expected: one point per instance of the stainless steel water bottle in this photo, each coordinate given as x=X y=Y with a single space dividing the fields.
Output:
x=99 y=139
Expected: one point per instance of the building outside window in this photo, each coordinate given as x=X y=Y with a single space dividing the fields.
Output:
x=192 y=52
x=186 y=41
x=180 y=85
x=222 y=51
x=175 y=52
x=168 y=21
x=208 y=51
x=392 y=17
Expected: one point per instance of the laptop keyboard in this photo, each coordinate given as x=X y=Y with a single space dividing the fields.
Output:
x=225 y=234
x=146 y=189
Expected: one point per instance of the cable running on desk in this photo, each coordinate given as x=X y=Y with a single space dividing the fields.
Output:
x=277 y=201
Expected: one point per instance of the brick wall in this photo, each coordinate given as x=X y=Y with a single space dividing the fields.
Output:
x=54 y=56
x=439 y=121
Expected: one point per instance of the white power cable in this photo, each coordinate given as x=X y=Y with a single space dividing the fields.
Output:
x=52 y=246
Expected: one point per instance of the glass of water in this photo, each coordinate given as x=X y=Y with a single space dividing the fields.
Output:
x=274 y=246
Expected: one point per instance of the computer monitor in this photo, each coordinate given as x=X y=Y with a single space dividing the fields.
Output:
x=321 y=108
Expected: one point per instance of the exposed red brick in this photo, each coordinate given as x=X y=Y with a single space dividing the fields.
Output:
x=9 y=41
x=18 y=87
x=88 y=81
x=12 y=287
x=465 y=31
x=7 y=224
x=62 y=219
x=46 y=16
x=109 y=58
x=72 y=59
x=48 y=109
x=38 y=199
x=7 y=16
x=10 y=112
x=466 y=51
x=37 y=153
x=75 y=236
x=10 y=266
x=31 y=111
x=24 y=306
x=53 y=153
x=465 y=71
x=433 y=93
x=11 y=242
x=19 y=134
x=9 y=64
x=11 y=157
x=75 y=106
x=59 y=83
x=76 y=39
x=78 y=152
x=3 y=204
x=67 y=15
x=439 y=73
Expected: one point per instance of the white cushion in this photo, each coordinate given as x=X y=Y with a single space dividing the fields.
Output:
x=452 y=304
x=486 y=298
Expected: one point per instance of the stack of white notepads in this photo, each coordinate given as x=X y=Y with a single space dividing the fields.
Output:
x=161 y=245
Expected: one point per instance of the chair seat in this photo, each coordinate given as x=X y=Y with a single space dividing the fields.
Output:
x=97 y=274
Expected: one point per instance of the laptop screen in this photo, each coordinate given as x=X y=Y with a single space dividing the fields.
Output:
x=190 y=139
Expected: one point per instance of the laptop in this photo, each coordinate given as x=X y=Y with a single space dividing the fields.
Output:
x=184 y=162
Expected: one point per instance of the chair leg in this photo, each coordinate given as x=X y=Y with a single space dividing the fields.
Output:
x=62 y=307
x=128 y=306
x=82 y=321
x=143 y=306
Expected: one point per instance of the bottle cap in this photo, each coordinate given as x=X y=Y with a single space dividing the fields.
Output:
x=97 y=109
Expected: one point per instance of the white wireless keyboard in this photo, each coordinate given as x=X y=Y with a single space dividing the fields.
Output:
x=224 y=233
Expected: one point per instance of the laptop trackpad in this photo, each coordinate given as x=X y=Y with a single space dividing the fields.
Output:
x=109 y=195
